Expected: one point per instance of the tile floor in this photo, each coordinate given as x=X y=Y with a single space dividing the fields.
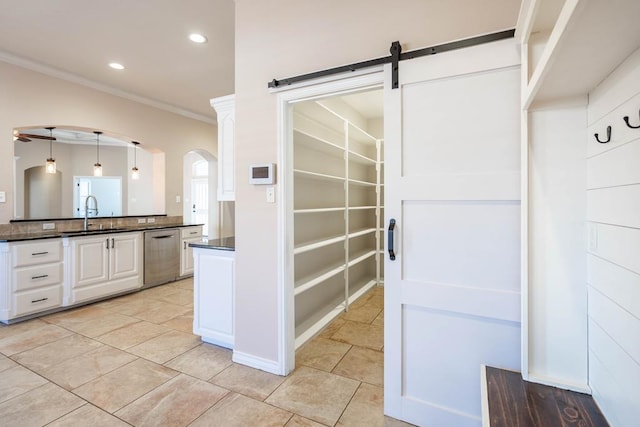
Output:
x=133 y=360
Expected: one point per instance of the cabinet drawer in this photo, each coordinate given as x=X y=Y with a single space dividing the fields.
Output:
x=40 y=252
x=36 y=300
x=189 y=232
x=37 y=276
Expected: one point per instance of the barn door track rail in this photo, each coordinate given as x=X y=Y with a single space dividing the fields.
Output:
x=396 y=56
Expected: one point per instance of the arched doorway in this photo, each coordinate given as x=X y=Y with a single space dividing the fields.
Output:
x=200 y=178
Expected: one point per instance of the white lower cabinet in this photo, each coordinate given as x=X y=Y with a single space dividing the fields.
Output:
x=31 y=277
x=188 y=235
x=214 y=294
x=103 y=265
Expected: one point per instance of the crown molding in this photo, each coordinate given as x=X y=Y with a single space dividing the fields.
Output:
x=74 y=78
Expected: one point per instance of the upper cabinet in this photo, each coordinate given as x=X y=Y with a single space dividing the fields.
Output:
x=570 y=46
x=225 y=107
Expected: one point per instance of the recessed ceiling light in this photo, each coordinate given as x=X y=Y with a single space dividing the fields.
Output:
x=197 y=38
x=116 y=66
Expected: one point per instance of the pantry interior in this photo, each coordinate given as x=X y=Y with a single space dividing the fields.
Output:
x=338 y=205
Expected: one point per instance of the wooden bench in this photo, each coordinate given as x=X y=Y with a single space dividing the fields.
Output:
x=509 y=401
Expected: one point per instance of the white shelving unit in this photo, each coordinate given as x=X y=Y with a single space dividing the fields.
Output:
x=569 y=48
x=337 y=215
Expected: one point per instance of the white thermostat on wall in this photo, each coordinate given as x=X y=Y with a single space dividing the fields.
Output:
x=262 y=174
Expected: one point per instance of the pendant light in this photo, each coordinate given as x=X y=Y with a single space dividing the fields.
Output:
x=135 y=173
x=50 y=165
x=97 y=167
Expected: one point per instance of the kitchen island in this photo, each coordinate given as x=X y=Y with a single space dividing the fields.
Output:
x=41 y=273
x=214 y=291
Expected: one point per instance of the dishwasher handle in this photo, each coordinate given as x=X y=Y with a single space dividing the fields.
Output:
x=166 y=236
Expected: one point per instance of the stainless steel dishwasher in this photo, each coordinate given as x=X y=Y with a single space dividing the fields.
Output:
x=161 y=256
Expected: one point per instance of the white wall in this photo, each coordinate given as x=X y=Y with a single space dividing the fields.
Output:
x=280 y=38
x=557 y=330
x=31 y=99
x=613 y=214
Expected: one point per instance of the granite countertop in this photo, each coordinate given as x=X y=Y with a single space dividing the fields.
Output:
x=79 y=233
x=224 y=244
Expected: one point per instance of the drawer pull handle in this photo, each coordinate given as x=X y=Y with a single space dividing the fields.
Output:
x=193 y=232
x=42 y=276
x=39 y=253
x=38 y=300
x=185 y=245
x=107 y=243
x=113 y=245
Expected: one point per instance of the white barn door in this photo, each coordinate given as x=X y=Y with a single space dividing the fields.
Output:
x=452 y=184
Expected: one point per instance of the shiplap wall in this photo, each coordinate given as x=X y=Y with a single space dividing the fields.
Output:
x=613 y=261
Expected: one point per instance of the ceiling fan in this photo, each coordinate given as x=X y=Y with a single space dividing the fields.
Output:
x=26 y=137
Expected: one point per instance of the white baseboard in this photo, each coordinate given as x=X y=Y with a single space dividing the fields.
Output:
x=553 y=382
x=256 y=362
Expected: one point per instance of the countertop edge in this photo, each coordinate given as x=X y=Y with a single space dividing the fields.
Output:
x=8 y=238
x=223 y=244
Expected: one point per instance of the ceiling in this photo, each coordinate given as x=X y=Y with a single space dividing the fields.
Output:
x=77 y=39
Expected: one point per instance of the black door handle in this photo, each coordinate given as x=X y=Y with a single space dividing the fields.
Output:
x=392 y=226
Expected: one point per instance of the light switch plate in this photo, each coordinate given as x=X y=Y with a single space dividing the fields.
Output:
x=271 y=195
x=49 y=226
x=141 y=220
x=3 y=197
x=151 y=220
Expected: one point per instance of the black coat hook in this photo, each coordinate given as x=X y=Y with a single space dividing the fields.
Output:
x=626 y=120
x=608 y=136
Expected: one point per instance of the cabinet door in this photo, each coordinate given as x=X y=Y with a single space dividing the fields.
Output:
x=225 y=110
x=214 y=296
x=92 y=260
x=186 y=256
x=124 y=255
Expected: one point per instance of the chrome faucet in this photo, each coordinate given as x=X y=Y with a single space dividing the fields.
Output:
x=86 y=210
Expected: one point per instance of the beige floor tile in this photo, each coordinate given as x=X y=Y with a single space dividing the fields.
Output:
x=133 y=334
x=124 y=385
x=362 y=364
x=157 y=292
x=74 y=317
x=81 y=369
x=31 y=338
x=17 y=328
x=365 y=314
x=177 y=402
x=113 y=303
x=236 y=410
x=16 y=381
x=365 y=409
x=183 y=323
x=298 y=421
x=248 y=381
x=139 y=305
x=314 y=394
x=183 y=284
x=203 y=361
x=332 y=328
x=360 y=334
x=88 y=415
x=100 y=325
x=166 y=346
x=179 y=297
x=379 y=321
x=6 y=363
x=321 y=353
x=392 y=422
x=38 y=406
x=56 y=352
x=163 y=314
